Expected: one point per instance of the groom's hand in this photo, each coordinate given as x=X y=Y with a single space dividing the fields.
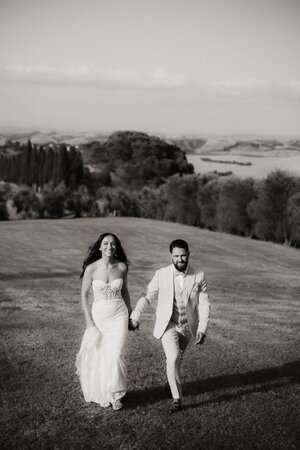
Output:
x=200 y=337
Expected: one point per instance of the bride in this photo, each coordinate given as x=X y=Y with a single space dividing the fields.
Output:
x=100 y=362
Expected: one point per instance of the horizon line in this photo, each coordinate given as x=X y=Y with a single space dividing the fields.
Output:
x=6 y=129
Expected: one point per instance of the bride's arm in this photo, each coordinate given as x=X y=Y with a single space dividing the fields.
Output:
x=85 y=287
x=145 y=300
x=125 y=294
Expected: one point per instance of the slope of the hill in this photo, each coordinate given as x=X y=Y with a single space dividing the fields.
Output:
x=240 y=387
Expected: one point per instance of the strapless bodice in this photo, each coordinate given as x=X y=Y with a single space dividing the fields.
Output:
x=107 y=291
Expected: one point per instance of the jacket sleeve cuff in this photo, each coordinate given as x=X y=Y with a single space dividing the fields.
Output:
x=141 y=306
x=202 y=328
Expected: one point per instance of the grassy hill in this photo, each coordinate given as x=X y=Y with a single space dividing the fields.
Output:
x=241 y=387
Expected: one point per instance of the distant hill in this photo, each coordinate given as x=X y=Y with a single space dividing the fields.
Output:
x=51 y=137
x=241 y=156
x=188 y=144
x=255 y=158
x=257 y=155
x=243 y=146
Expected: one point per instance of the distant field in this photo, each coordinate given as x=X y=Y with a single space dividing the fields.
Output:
x=261 y=165
x=241 y=388
x=253 y=157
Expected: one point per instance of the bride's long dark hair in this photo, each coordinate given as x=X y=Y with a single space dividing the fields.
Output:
x=94 y=252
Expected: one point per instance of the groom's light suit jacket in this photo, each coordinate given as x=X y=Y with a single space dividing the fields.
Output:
x=196 y=299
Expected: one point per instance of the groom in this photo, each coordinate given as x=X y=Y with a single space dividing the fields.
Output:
x=183 y=311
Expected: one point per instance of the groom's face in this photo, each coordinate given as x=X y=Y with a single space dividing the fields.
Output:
x=180 y=258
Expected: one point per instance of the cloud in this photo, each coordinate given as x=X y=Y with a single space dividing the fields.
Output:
x=83 y=74
x=158 y=79
x=255 y=88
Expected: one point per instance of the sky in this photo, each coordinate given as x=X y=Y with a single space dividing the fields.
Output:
x=180 y=67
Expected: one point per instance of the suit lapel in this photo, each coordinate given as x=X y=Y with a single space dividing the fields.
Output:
x=170 y=280
x=189 y=280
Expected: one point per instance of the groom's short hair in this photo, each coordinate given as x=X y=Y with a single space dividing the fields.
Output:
x=179 y=243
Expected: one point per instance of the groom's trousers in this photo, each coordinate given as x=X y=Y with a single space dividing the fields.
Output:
x=175 y=340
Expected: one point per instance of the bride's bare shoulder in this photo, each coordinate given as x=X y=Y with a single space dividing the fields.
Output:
x=92 y=267
x=122 y=267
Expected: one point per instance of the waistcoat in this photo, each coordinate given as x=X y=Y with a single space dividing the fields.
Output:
x=179 y=312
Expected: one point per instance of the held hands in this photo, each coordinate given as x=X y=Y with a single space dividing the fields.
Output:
x=199 y=338
x=133 y=325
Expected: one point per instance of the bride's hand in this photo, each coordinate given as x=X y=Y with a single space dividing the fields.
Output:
x=133 y=325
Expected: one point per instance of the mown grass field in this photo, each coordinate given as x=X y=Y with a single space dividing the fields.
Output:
x=241 y=387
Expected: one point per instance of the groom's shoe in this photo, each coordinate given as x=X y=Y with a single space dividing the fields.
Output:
x=176 y=406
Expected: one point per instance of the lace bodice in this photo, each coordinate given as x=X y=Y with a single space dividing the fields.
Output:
x=105 y=291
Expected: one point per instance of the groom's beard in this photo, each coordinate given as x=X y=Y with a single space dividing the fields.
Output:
x=181 y=267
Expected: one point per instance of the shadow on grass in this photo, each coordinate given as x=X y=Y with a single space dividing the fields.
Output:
x=36 y=275
x=244 y=384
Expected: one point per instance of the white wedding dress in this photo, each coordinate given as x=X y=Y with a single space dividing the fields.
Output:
x=100 y=362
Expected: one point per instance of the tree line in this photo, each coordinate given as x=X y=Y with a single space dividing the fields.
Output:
x=267 y=209
x=37 y=166
x=141 y=176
